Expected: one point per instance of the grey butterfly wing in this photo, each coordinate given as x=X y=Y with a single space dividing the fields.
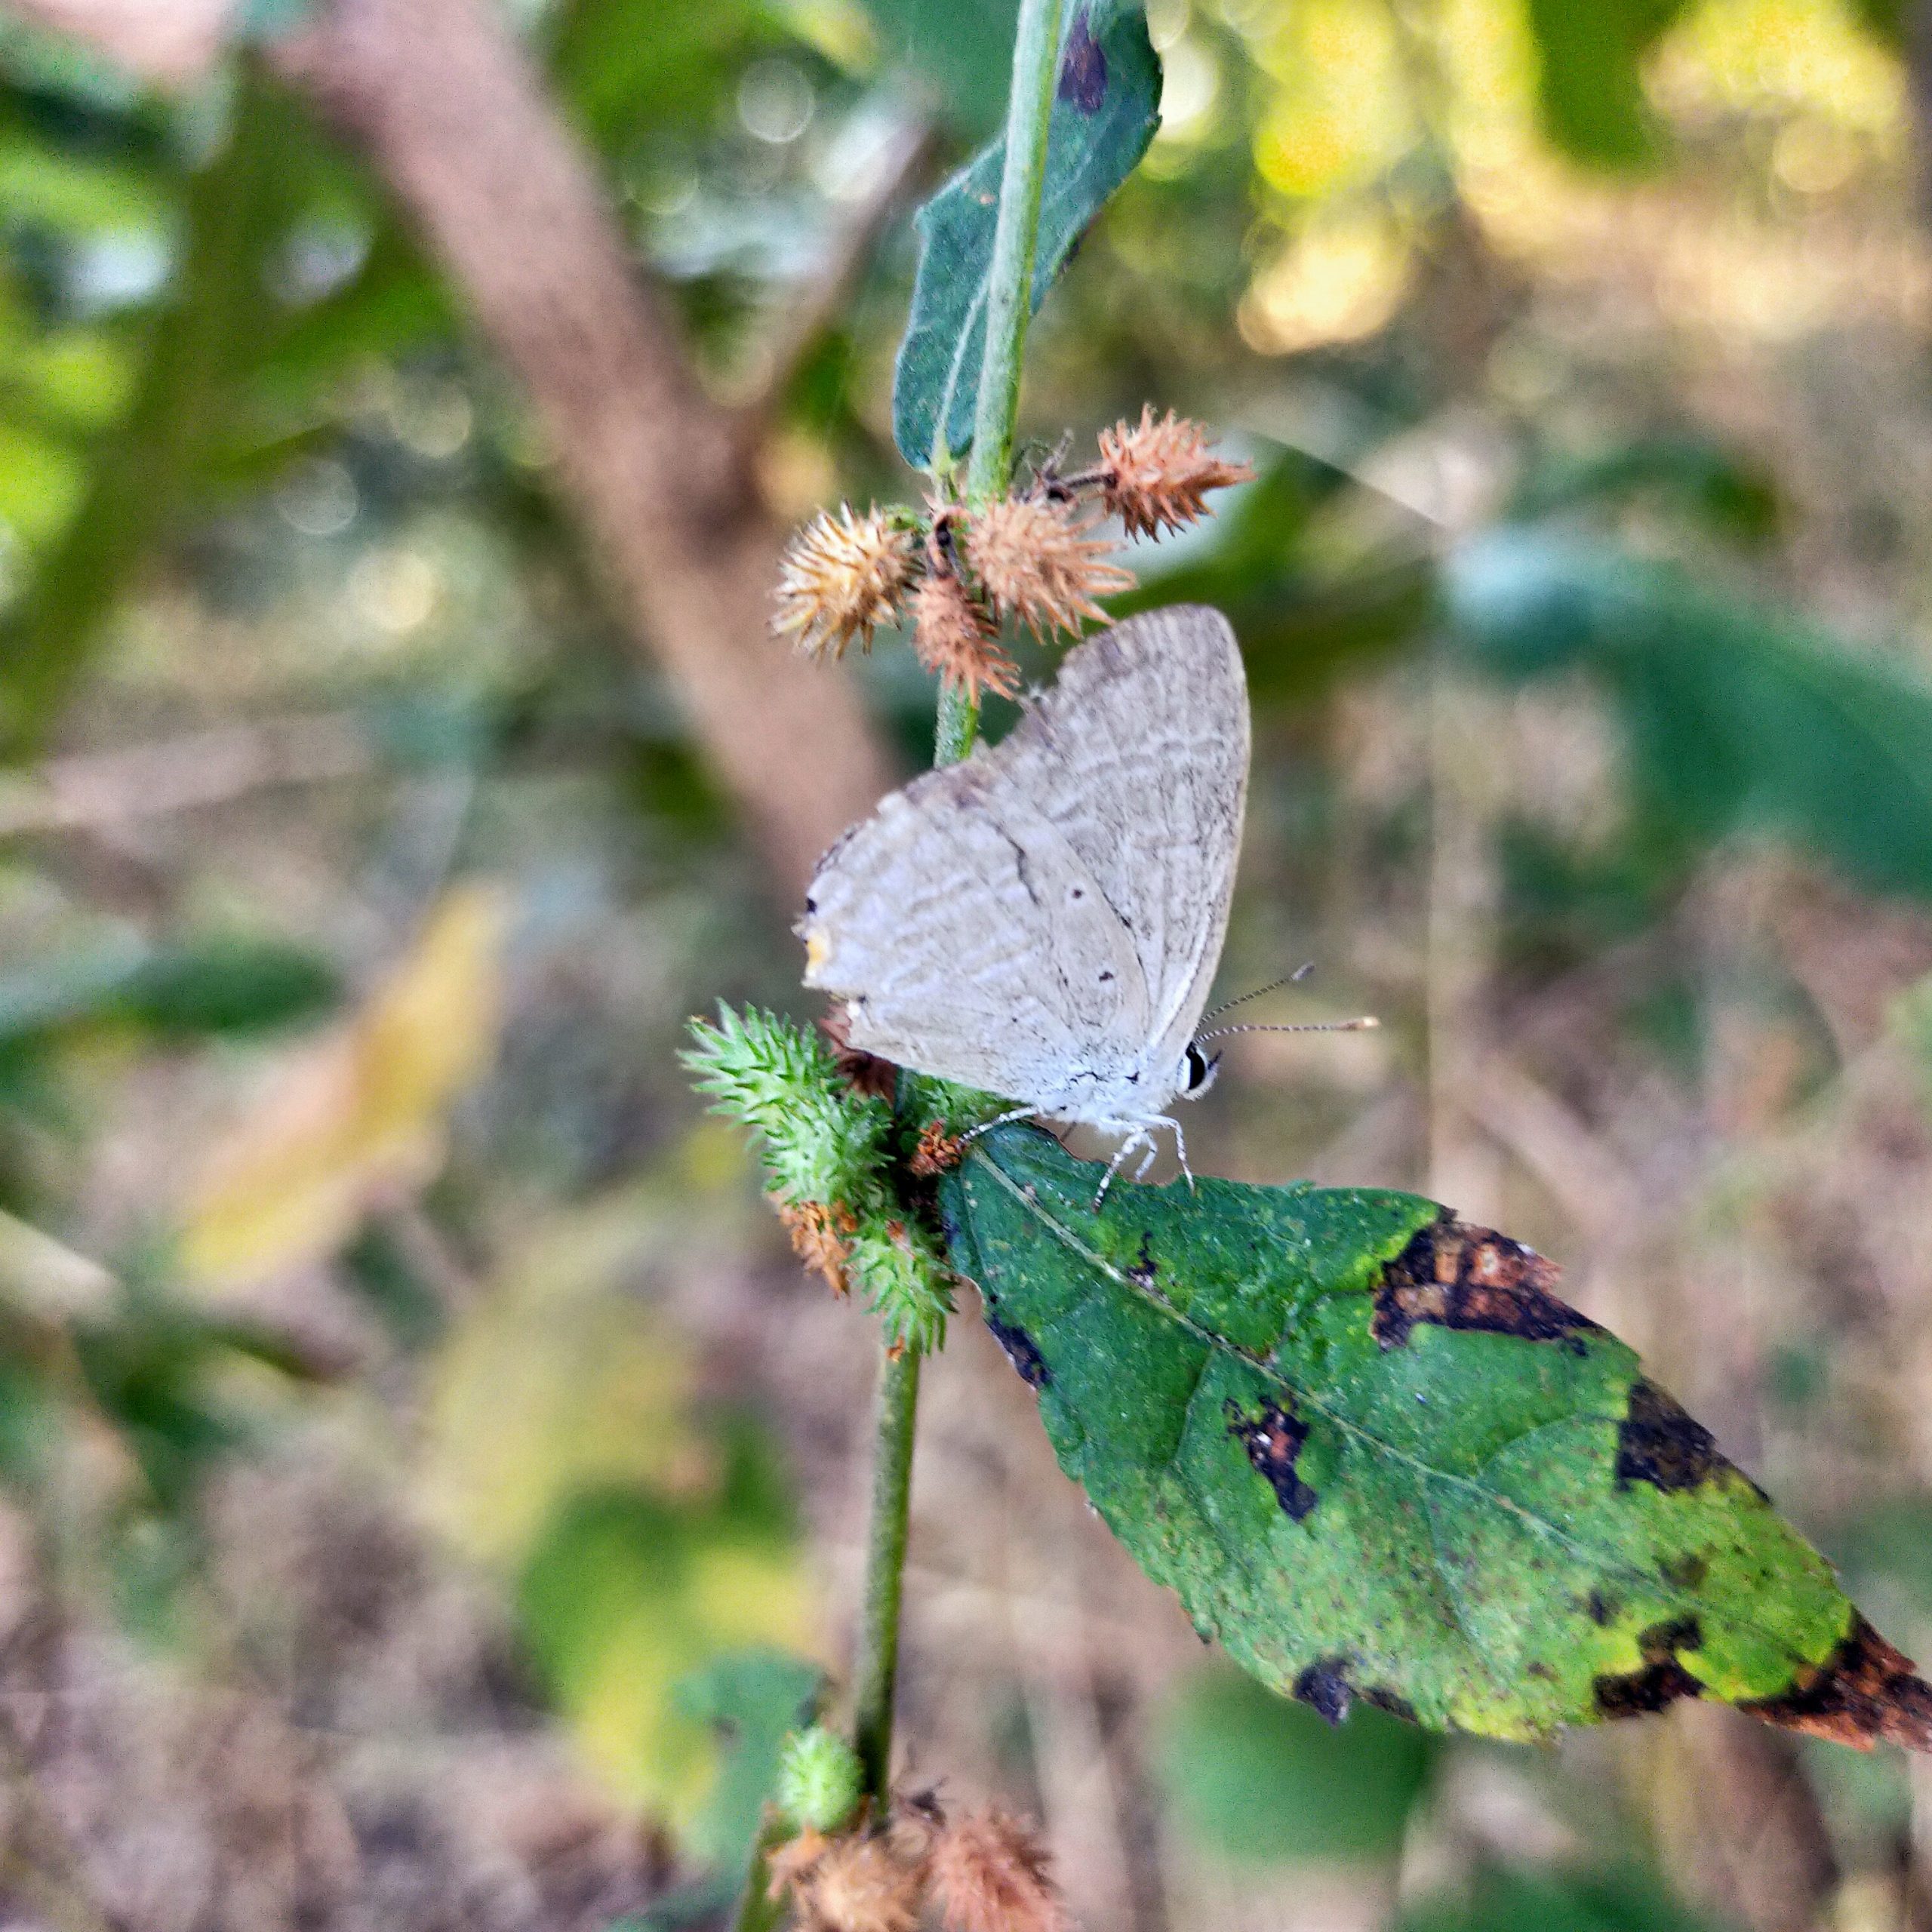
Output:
x=1139 y=754
x=1050 y=912
x=968 y=939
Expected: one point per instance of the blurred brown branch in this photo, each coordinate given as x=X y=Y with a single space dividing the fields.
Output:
x=92 y=790
x=440 y=97
x=169 y=42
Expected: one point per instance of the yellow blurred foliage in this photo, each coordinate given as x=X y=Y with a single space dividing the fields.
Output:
x=654 y=1625
x=560 y=1446
x=1339 y=280
x=560 y=1380
x=1777 y=56
x=359 y=1115
x=1339 y=114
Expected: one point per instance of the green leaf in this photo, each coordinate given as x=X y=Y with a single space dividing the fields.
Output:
x=1588 y=85
x=1498 y=1901
x=1253 y=1778
x=627 y=65
x=1685 y=477
x=141 y=479
x=1377 y=1457
x=752 y=1700
x=1105 y=112
x=1736 y=718
x=627 y=1595
x=962 y=55
x=230 y=985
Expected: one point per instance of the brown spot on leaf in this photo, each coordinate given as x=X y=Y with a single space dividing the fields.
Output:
x=1684 y=1573
x=1325 y=1686
x=1144 y=1271
x=1273 y=1440
x=1661 y=1682
x=1456 y=1276
x=1600 y=1609
x=1328 y=1686
x=1083 y=69
x=1864 y=1690
x=1660 y=1443
x=1021 y=1350
x=1393 y=1701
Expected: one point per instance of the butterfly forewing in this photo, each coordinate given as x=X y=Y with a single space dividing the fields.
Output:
x=1044 y=918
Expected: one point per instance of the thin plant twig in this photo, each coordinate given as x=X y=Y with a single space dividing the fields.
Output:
x=90 y=791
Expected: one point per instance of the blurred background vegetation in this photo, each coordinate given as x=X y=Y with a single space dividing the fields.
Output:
x=430 y=1488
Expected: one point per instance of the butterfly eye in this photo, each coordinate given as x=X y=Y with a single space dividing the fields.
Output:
x=1200 y=1070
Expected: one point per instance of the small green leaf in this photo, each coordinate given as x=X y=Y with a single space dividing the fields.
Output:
x=1254 y=1778
x=752 y=1699
x=229 y=985
x=1105 y=112
x=1378 y=1458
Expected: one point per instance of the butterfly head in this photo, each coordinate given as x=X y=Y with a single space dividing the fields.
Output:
x=1197 y=1071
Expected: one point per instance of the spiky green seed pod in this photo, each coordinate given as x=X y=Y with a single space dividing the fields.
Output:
x=820 y=1780
x=899 y=1270
x=818 y=1140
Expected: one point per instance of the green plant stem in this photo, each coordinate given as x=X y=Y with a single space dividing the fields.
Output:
x=1016 y=235
x=1009 y=305
x=956 y=726
x=885 y=1567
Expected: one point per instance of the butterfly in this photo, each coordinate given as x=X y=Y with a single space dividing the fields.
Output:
x=1043 y=920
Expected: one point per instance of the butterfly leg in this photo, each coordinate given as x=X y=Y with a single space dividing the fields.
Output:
x=999 y=1120
x=1126 y=1147
x=1180 y=1151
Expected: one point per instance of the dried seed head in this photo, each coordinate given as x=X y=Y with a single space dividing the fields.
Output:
x=989 y=1874
x=953 y=635
x=1156 y=475
x=863 y=1883
x=842 y=577
x=818 y=1233
x=937 y=1150
x=793 y=1859
x=1040 y=563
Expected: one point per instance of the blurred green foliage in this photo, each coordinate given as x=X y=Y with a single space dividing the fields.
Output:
x=234 y=395
x=1505 y=1901
x=1253 y=1777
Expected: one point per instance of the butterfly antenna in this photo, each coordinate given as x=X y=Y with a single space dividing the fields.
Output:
x=1293 y=979
x=1366 y=1023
